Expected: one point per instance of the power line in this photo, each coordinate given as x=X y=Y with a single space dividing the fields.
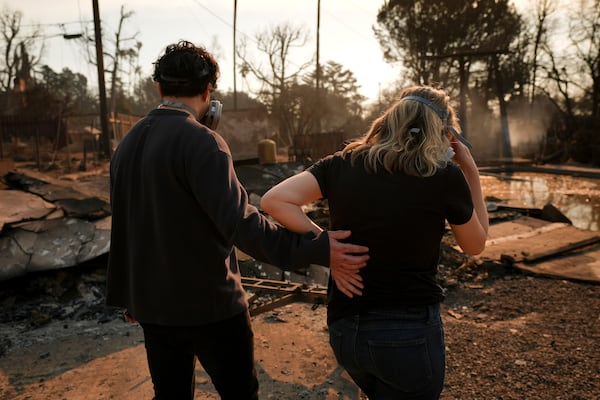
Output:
x=213 y=13
x=348 y=27
x=359 y=5
x=222 y=20
x=55 y=24
x=363 y=12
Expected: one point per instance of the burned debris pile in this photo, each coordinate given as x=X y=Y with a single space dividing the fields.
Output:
x=48 y=226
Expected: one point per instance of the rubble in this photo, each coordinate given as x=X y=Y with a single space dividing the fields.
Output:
x=49 y=226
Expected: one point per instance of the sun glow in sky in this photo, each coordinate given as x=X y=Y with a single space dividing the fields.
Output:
x=346 y=34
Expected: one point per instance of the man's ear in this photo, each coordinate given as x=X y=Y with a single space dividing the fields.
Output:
x=206 y=93
x=159 y=89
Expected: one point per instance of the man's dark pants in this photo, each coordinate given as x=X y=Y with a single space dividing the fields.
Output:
x=225 y=350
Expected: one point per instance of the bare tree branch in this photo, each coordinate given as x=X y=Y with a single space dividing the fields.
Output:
x=276 y=45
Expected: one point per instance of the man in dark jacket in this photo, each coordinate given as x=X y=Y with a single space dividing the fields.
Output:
x=178 y=210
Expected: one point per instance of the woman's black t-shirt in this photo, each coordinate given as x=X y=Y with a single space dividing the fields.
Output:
x=401 y=219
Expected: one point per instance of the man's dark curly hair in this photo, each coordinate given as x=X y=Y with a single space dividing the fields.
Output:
x=185 y=70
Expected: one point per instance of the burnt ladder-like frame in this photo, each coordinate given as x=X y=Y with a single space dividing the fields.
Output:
x=289 y=292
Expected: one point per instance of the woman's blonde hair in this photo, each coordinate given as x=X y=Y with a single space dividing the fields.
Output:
x=411 y=136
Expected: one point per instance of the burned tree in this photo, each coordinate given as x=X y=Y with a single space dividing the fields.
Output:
x=18 y=59
x=277 y=77
x=465 y=47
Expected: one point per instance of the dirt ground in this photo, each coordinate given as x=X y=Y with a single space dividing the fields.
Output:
x=509 y=336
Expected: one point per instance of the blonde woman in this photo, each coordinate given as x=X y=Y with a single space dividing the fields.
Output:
x=394 y=188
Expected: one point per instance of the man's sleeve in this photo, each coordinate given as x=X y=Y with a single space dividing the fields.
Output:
x=221 y=195
x=274 y=244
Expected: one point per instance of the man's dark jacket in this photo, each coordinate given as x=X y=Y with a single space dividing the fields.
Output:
x=178 y=210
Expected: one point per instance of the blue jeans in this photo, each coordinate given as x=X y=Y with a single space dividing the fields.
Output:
x=393 y=354
x=225 y=350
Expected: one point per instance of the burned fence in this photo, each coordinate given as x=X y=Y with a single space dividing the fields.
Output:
x=23 y=136
x=316 y=145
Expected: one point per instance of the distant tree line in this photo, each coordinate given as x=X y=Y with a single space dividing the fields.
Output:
x=537 y=73
x=533 y=78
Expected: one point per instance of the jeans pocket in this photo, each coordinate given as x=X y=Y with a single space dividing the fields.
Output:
x=403 y=364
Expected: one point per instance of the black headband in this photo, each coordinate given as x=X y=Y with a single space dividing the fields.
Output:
x=443 y=114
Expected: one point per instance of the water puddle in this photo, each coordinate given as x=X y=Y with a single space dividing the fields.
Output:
x=577 y=198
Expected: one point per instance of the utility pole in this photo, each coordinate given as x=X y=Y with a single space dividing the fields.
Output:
x=234 y=56
x=105 y=148
x=318 y=71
